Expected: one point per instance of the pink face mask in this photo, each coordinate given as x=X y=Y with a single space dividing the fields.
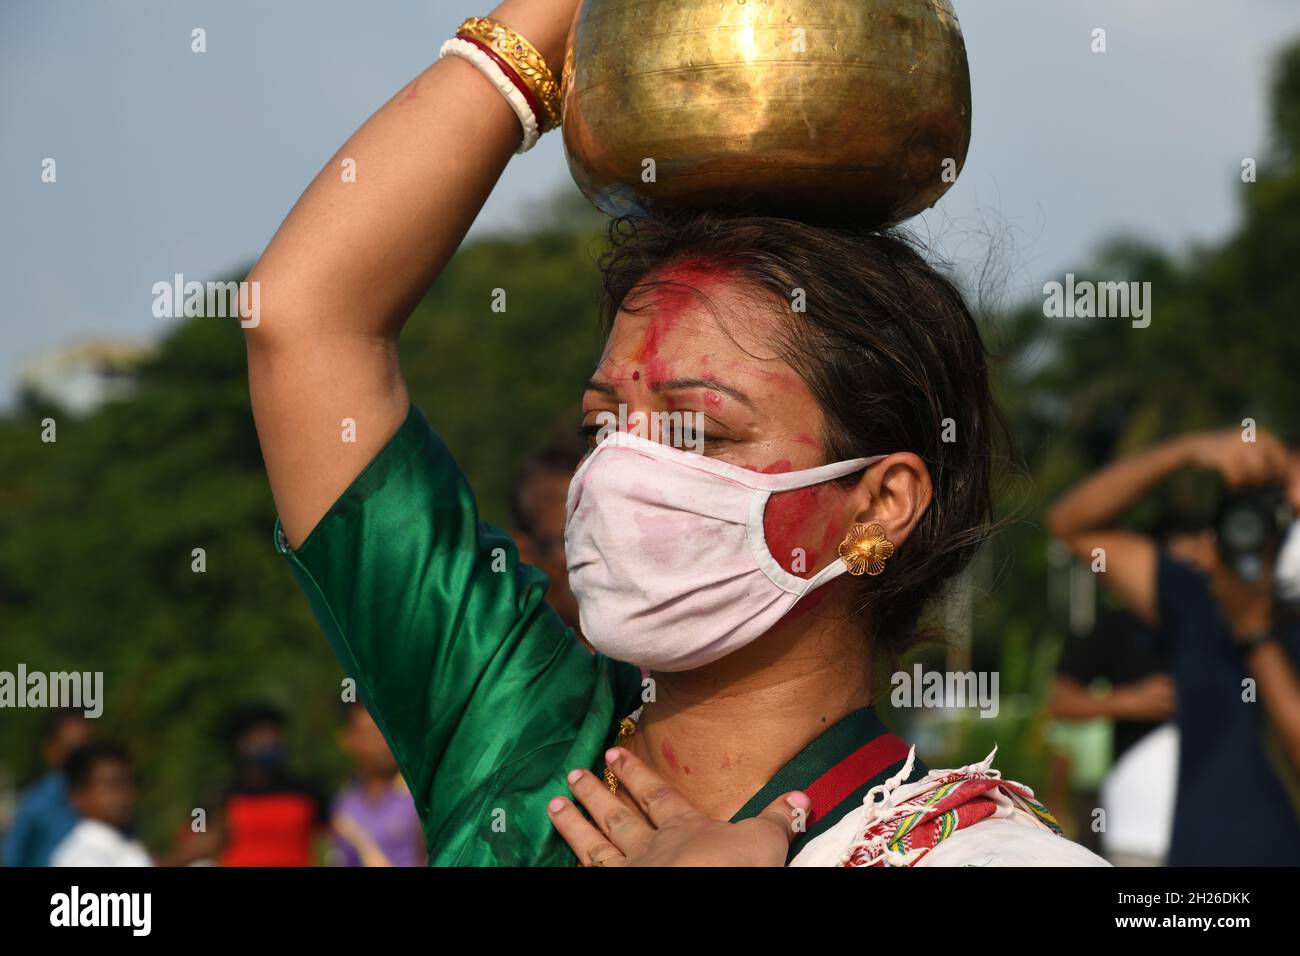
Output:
x=667 y=555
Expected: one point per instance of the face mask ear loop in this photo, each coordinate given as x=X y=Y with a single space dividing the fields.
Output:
x=763 y=557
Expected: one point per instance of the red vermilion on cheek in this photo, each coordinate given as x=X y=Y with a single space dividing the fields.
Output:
x=813 y=599
x=792 y=521
x=831 y=538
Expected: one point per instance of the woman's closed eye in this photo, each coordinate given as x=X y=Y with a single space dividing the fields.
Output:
x=670 y=432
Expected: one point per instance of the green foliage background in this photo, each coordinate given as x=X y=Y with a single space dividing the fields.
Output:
x=96 y=530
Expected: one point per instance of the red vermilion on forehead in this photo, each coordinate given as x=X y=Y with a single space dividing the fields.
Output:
x=696 y=271
x=675 y=288
x=649 y=346
x=656 y=372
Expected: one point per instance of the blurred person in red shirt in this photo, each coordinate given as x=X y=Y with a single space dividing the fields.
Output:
x=269 y=817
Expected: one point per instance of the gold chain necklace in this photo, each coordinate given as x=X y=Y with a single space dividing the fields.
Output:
x=626 y=728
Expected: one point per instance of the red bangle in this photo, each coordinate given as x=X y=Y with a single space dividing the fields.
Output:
x=533 y=103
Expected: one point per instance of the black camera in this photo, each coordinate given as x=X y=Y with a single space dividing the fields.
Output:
x=1250 y=526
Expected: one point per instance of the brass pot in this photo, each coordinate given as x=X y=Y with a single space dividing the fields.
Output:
x=839 y=110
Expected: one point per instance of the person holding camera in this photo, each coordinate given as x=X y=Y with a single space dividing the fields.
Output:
x=1227 y=608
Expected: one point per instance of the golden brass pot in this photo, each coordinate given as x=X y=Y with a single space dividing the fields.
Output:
x=843 y=110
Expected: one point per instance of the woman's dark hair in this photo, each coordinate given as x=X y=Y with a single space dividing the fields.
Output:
x=891 y=352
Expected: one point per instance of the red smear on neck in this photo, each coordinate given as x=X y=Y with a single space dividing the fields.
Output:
x=669 y=756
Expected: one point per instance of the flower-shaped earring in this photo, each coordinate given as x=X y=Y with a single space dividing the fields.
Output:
x=865 y=549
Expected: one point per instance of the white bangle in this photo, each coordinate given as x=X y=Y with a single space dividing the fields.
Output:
x=468 y=51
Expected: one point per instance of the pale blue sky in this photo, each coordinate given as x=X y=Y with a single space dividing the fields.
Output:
x=173 y=162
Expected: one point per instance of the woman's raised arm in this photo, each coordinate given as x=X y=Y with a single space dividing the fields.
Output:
x=354 y=256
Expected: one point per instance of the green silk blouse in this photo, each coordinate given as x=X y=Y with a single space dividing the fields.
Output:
x=484 y=695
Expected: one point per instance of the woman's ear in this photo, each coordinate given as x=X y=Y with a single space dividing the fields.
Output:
x=894 y=493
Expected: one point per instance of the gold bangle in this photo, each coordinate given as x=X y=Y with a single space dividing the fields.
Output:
x=523 y=56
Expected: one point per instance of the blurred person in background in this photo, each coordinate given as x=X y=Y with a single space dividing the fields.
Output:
x=1238 y=760
x=537 y=518
x=45 y=816
x=101 y=786
x=1138 y=698
x=1131 y=662
x=269 y=817
x=374 y=818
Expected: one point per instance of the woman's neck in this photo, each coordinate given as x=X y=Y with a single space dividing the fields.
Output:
x=719 y=733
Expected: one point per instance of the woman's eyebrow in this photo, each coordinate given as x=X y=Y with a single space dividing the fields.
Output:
x=604 y=388
x=681 y=384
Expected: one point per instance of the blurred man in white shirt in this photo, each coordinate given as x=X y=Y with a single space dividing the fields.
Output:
x=101 y=788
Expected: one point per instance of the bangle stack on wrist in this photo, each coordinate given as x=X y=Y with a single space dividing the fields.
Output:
x=515 y=68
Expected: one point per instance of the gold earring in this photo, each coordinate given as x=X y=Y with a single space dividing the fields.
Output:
x=865 y=549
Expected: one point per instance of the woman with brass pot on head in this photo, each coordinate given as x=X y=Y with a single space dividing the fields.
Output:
x=764 y=557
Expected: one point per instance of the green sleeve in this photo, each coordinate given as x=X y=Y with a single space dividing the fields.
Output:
x=485 y=696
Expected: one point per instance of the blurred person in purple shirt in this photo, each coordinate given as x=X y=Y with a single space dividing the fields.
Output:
x=373 y=818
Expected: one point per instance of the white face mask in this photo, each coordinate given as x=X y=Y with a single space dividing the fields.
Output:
x=667 y=555
x=1286 y=573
